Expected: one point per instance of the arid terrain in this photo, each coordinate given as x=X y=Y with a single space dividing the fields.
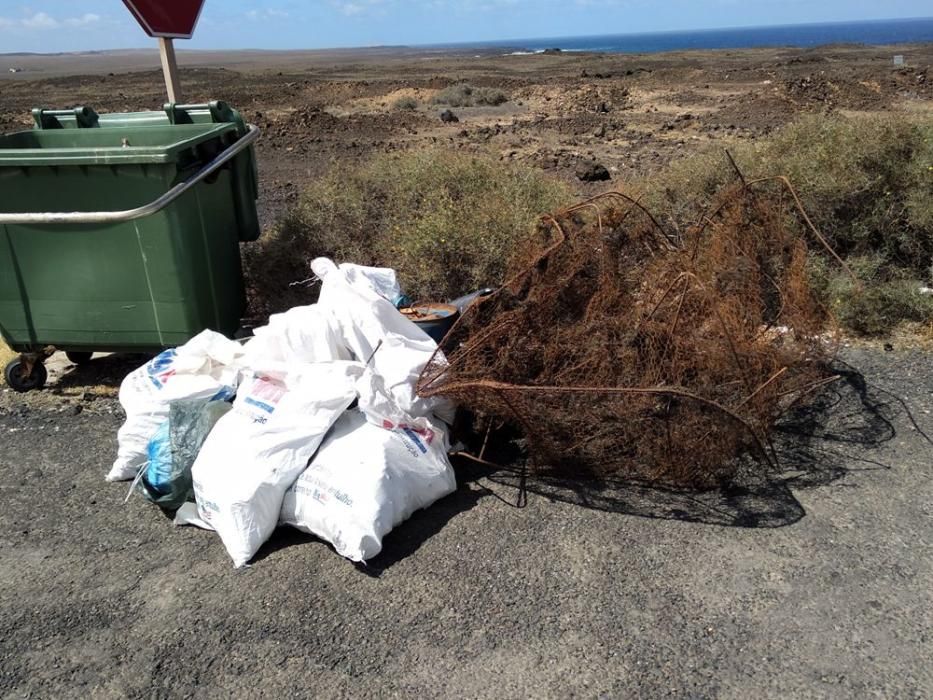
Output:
x=629 y=113
x=811 y=582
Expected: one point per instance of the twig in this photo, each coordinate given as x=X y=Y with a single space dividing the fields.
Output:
x=736 y=168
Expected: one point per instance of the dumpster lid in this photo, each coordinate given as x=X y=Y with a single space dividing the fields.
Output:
x=143 y=144
x=83 y=117
x=81 y=136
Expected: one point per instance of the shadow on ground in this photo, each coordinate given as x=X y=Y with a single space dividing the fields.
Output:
x=107 y=371
x=815 y=445
x=399 y=544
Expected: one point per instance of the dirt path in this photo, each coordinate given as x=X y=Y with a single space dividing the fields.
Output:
x=814 y=582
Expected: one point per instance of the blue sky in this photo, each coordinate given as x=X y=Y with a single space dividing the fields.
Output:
x=65 y=25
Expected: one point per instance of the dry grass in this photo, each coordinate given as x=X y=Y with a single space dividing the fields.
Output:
x=464 y=95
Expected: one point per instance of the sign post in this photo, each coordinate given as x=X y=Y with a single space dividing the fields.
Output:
x=167 y=21
x=169 y=69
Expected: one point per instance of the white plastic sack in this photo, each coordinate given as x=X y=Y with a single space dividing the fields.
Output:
x=188 y=514
x=204 y=367
x=256 y=451
x=364 y=318
x=381 y=280
x=366 y=480
x=304 y=335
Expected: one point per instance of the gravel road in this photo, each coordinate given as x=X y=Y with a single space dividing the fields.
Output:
x=811 y=583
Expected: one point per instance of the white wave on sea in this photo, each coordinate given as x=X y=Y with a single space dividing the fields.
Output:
x=540 y=51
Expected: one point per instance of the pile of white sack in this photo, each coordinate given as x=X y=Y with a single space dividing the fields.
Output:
x=326 y=434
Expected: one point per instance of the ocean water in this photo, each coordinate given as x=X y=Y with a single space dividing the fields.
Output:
x=798 y=35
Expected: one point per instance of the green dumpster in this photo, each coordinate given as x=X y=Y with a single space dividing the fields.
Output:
x=121 y=232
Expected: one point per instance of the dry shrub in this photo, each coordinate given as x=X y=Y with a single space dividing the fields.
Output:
x=867 y=182
x=464 y=95
x=619 y=350
x=446 y=221
x=879 y=302
x=406 y=103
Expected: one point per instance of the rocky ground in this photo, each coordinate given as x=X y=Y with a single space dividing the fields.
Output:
x=630 y=114
x=813 y=581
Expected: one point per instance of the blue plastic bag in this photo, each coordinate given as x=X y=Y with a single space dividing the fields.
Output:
x=166 y=479
x=159 y=472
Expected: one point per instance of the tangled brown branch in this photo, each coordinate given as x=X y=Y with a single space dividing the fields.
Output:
x=619 y=349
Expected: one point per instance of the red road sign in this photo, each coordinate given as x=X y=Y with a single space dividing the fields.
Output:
x=170 y=19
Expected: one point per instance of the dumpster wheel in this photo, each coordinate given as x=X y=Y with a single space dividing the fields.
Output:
x=19 y=377
x=79 y=358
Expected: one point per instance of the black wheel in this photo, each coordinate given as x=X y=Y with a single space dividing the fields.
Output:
x=17 y=380
x=79 y=358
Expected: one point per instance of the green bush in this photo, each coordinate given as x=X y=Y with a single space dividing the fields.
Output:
x=464 y=95
x=406 y=104
x=882 y=300
x=877 y=309
x=446 y=221
x=866 y=182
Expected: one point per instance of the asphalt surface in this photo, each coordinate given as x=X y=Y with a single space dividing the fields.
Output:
x=815 y=582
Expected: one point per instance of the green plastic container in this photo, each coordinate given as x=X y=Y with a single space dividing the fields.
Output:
x=139 y=284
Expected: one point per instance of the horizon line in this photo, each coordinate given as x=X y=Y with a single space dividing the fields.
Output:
x=490 y=43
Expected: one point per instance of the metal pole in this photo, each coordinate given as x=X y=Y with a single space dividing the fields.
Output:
x=170 y=69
